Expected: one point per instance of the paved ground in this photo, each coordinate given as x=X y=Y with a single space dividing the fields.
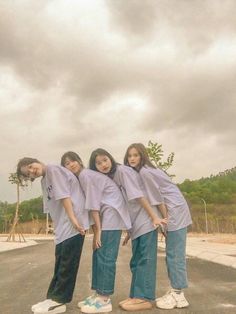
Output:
x=25 y=275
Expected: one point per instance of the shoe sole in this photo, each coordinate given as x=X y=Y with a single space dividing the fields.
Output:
x=62 y=309
x=171 y=308
x=80 y=305
x=100 y=311
x=136 y=307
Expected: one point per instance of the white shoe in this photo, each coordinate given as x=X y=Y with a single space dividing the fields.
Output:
x=51 y=307
x=34 y=307
x=97 y=306
x=87 y=300
x=172 y=300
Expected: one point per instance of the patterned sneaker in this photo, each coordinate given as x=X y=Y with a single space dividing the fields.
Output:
x=87 y=301
x=34 y=307
x=51 y=307
x=172 y=300
x=97 y=306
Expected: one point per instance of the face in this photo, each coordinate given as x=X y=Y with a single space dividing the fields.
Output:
x=33 y=171
x=134 y=158
x=73 y=165
x=103 y=164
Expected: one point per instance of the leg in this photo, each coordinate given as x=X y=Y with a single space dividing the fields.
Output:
x=176 y=258
x=68 y=255
x=143 y=265
x=176 y=267
x=106 y=257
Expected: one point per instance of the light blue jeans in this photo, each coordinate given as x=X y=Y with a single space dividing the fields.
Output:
x=176 y=258
x=143 y=265
x=104 y=262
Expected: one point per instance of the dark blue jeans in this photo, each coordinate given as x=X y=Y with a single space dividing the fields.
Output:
x=104 y=262
x=67 y=259
x=143 y=265
x=176 y=259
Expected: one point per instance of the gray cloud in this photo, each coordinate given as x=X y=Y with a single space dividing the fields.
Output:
x=75 y=77
x=192 y=24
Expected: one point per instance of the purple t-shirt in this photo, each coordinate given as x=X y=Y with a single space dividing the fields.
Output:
x=103 y=194
x=59 y=183
x=131 y=186
x=157 y=182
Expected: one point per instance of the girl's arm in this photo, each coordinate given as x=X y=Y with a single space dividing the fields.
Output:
x=96 y=229
x=155 y=219
x=67 y=204
x=163 y=210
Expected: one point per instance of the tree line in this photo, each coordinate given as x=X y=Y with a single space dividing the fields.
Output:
x=217 y=193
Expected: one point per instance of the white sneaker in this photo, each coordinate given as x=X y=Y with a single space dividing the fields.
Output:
x=97 y=306
x=172 y=300
x=34 y=307
x=51 y=307
x=87 y=300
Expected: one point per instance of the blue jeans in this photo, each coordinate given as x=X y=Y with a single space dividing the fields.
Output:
x=104 y=262
x=176 y=259
x=143 y=265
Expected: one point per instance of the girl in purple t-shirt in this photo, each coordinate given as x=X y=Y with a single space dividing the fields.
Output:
x=145 y=220
x=156 y=182
x=105 y=200
x=63 y=199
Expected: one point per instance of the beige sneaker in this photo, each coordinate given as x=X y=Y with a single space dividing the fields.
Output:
x=172 y=300
x=136 y=304
x=124 y=301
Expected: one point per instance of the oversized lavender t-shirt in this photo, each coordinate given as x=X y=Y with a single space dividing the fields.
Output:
x=130 y=184
x=59 y=183
x=103 y=194
x=156 y=182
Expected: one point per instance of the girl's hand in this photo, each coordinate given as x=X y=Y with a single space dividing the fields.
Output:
x=97 y=240
x=126 y=239
x=157 y=221
x=79 y=228
x=163 y=229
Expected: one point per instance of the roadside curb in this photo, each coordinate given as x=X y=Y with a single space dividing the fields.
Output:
x=223 y=254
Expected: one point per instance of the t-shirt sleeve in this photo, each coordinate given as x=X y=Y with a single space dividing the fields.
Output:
x=151 y=187
x=130 y=181
x=93 y=194
x=59 y=182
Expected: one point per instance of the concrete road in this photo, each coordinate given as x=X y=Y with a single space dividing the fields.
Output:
x=26 y=273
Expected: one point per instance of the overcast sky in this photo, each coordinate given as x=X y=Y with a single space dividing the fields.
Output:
x=78 y=75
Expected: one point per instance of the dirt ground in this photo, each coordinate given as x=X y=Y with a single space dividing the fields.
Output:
x=227 y=238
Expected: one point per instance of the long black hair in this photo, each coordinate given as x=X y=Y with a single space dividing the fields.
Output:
x=73 y=157
x=102 y=152
x=144 y=158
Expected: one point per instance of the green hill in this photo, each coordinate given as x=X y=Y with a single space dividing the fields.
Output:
x=219 y=194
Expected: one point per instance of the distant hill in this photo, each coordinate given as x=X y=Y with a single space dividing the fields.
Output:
x=219 y=194
x=217 y=189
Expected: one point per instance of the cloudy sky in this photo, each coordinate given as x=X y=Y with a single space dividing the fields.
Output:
x=77 y=75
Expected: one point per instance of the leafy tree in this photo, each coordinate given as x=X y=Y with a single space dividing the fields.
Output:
x=155 y=153
x=15 y=180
